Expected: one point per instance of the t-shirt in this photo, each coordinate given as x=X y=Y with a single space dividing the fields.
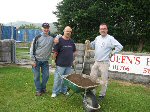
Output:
x=65 y=50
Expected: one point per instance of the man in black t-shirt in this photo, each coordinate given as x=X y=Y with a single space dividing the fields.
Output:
x=63 y=53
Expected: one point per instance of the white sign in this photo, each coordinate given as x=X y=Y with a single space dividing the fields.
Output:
x=130 y=64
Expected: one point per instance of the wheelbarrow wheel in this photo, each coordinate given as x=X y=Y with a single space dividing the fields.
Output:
x=90 y=103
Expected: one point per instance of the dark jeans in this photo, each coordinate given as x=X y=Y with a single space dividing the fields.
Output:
x=43 y=67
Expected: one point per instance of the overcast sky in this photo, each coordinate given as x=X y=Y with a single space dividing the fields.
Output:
x=37 y=11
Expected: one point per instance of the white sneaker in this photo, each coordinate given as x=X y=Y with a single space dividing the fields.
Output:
x=53 y=95
x=67 y=94
x=94 y=91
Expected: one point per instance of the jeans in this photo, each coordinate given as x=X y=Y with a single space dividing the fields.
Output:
x=58 y=81
x=43 y=67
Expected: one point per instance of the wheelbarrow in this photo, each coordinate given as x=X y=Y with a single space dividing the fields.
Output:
x=90 y=103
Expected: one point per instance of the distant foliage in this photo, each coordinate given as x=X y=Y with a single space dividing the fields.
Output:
x=30 y=26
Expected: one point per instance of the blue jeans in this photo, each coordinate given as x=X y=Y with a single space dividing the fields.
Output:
x=58 y=82
x=43 y=67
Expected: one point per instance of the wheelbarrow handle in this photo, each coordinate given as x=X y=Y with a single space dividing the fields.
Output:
x=74 y=66
x=62 y=76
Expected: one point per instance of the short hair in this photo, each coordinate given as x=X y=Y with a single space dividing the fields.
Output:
x=67 y=27
x=103 y=24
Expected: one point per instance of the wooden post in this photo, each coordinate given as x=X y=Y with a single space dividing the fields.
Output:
x=87 y=45
x=0 y=31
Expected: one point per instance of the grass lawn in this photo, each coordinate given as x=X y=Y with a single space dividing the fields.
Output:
x=22 y=53
x=17 y=94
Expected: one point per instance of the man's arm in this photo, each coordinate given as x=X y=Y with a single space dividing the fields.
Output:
x=32 y=57
x=56 y=40
x=117 y=47
x=55 y=53
x=53 y=62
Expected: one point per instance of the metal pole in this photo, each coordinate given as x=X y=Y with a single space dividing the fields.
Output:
x=0 y=31
x=12 y=32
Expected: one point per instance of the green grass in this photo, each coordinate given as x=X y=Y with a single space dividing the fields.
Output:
x=17 y=94
x=22 y=53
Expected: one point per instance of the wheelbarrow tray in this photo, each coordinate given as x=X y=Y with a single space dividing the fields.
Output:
x=76 y=88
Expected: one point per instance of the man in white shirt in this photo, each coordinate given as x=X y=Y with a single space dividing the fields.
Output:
x=103 y=45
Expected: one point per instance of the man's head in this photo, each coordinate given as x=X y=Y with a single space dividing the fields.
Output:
x=67 y=32
x=103 y=29
x=45 y=28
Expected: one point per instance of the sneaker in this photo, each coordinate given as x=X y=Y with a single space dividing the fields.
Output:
x=101 y=98
x=53 y=95
x=94 y=91
x=67 y=93
x=38 y=94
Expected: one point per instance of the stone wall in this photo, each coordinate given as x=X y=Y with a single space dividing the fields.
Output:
x=79 y=59
x=7 y=51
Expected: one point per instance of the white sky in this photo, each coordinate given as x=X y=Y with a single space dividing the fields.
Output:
x=36 y=11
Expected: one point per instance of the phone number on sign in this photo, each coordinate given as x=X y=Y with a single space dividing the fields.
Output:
x=123 y=68
x=146 y=71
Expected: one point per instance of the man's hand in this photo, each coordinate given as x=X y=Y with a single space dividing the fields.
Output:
x=111 y=54
x=33 y=63
x=87 y=42
x=56 y=40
